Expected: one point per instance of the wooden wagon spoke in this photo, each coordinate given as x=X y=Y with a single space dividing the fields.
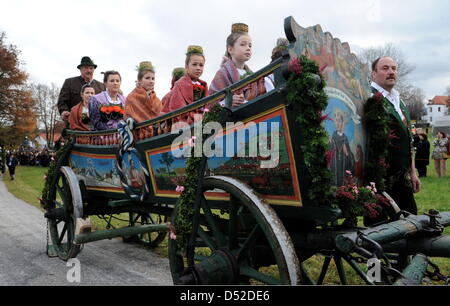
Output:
x=259 y=276
x=233 y=224
x=218 y=235
x=254 y=234
x=207 y=239
x=63 y=233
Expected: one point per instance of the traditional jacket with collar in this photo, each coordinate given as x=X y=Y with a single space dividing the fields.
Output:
x=182 y=94
x=400 y=148
x=70 y=94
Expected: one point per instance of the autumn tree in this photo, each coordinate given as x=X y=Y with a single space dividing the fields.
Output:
x=17 y=117
x=45 y=98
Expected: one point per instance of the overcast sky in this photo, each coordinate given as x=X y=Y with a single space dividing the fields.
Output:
x=117 y=34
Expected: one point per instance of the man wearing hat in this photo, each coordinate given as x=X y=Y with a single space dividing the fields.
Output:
x=70 y=94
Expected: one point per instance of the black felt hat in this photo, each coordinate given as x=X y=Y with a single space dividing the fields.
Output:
x=86 y=61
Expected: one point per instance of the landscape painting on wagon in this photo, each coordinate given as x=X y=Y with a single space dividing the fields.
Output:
x=257 y=153
x=99 y=172
x=348 y=88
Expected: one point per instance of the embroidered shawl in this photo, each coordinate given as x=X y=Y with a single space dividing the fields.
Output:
x=182 y=94
x=142 y=107
x=228 y=75
x=75 y=118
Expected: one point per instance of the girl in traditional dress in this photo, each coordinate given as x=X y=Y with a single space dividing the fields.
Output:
x=234 y=69
x=142 y=103
x=177 y=74
x=79 y=114
x=189 y=88
x=107 y=108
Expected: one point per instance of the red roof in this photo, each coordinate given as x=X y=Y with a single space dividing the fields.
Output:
x=440 y=100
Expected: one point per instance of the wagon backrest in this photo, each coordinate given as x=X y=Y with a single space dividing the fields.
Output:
x=348 y=87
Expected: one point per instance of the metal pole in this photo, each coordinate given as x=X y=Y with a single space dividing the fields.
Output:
x=119 y=232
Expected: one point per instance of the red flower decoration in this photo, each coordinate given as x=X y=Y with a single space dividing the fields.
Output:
x=329 y=155
x=392 y=135
x=378 y=96
x=295 y=66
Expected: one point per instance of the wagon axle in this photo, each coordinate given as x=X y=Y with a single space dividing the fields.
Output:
x=120 y=232
x=218 y=269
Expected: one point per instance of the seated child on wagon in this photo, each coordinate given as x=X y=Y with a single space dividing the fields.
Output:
x=234 y=69
x=142 y=103
x=106 y=108
x=190 y=87
x=177 y=74
x=79 y=114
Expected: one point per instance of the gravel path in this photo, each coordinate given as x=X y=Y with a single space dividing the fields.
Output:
x=23 y=260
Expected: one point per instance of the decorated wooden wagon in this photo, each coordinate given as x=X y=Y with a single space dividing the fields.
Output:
x=247 y=194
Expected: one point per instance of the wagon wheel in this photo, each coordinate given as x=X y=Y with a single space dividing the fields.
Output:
x=62 y=225
x=246 y=245
x=151 y=240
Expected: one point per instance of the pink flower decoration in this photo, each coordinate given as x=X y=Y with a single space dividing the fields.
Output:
x=206 y=110
x=294 y=66
x=348 y=172
x=173 y=236
x=192 y=141
x=179 y=189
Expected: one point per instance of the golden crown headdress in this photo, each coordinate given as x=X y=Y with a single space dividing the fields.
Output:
x=145 y=65
x=239 y=28
x=194 y=50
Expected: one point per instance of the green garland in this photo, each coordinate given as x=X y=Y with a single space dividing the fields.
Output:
x=306 y=89
x=376 y=120
x=51 y=174
x=185 y=211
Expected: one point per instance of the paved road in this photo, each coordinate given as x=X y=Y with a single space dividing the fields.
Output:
x=23 y=260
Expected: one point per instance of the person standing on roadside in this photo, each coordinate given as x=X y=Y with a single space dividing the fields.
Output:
x=12 y=163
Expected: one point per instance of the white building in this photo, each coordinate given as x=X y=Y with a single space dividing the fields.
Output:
x=437 y=109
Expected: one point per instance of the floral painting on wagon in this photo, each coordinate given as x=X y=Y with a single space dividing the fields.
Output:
x=347 y=90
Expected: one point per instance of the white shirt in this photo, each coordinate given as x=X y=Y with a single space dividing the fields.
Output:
x=393 y=97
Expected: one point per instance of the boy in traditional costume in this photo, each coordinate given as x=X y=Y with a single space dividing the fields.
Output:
x=79 y=118
x=142 y=103
x=189 y=88
x=234 y=69
x=177 y=74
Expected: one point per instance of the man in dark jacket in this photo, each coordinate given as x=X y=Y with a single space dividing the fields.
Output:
x=70 y=94
x=12 y=163
x=401 y=172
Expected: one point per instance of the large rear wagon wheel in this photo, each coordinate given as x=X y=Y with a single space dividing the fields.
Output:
x=62 y=224
x=244 y=244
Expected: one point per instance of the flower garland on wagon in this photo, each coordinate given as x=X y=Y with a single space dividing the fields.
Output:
x=188 y=186
x=51 y=173
x=305 y=88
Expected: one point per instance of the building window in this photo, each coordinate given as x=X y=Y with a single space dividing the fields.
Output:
x=431 y=109
x=431 y=119
x=439 y=109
